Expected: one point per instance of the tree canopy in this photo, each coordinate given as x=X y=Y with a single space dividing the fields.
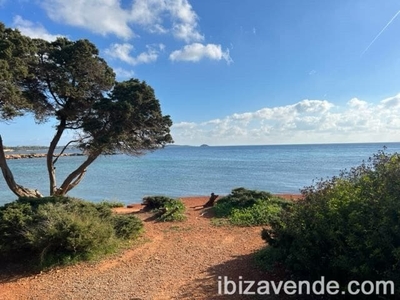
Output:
x=68 y=81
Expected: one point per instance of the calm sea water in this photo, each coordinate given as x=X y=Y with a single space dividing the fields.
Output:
x=185 y=171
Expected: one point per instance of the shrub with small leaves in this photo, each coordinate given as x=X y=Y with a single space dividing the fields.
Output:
x=174 y=211
x=60 y=230
x=127 y=226
x=155 y=202
x=165 y=208
x=245 y=207
x=346 y=228
x=112 y=204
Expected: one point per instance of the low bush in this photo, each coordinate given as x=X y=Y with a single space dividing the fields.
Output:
x=346 y=228
x=261 y=213
x=127 y=226
x=245 y=207
x=174 y=211
x=59 y=230
x=112 y=204
x=155 y=202
x=165 y=209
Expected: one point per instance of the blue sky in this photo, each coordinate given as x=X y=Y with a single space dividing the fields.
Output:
x=239 y=72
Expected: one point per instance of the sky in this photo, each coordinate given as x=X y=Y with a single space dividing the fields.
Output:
x=232 y=72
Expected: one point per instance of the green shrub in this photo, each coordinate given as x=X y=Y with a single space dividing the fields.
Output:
x=249 y=208
x=239 y=198
x=59 y=233
x=165 y=209
x=127 y=226
x=346 y=228
x=112 y=204
x=261 y=213
x=174 y=211
x=60 y=230
x=155 y=202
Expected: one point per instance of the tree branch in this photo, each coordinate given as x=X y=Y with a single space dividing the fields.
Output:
x=62 y=151
x=76 y=181
x=76 y=176
x=17 y=189
x=50 y=153
x=51 y=90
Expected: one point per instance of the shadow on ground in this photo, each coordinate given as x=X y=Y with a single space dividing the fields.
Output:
x=12 y=271
x=213 y=284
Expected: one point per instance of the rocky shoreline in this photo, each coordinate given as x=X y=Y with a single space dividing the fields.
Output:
x=38 y=155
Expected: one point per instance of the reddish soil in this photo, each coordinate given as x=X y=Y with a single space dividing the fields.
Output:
x=180 y=260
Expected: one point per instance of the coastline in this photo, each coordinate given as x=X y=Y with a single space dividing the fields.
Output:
x=38 y=155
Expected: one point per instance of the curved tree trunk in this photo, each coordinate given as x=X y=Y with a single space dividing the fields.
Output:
x=50 y=154
x=17 y=189
x=75 y=177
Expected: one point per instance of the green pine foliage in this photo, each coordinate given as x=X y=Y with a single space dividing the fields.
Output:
x=59 y=230
x=346 y=228
x=68 y=82
x=245 y=207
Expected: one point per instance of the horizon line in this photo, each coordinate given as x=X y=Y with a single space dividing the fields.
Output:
x=235 y=145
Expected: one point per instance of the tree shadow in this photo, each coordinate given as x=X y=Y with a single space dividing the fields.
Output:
x=207 y=212
x=212 y=287
x=11 y=271
x=213 y=284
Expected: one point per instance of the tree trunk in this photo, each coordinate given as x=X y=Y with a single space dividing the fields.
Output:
x=75 y=177
x=17 y=189
x=50 y=154
x=210 y=202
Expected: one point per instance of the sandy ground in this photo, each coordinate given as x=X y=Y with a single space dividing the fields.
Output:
x=180 y=260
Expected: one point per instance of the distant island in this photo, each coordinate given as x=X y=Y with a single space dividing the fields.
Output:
x=204 y=145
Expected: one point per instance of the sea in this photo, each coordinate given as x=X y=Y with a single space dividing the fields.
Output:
x=178 y=171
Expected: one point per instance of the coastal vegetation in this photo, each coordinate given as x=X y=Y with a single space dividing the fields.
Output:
x=68 y=82
x=59 y=230
x=243 y=207
x=165 y=209
x=346 y=228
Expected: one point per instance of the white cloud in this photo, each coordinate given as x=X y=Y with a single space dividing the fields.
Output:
x=196 y=52
x=148 y=13
x=313 y=106
x=123 y=74
x=312 y=72
x=392 y=102
x=185 y=125
x=187 y=32
x=99 y=16
x=308 y=121
x=153 y=14
x=174 y=17
x=123 y=53
x=108 y=17
x=357 y=104
x=33 y=30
